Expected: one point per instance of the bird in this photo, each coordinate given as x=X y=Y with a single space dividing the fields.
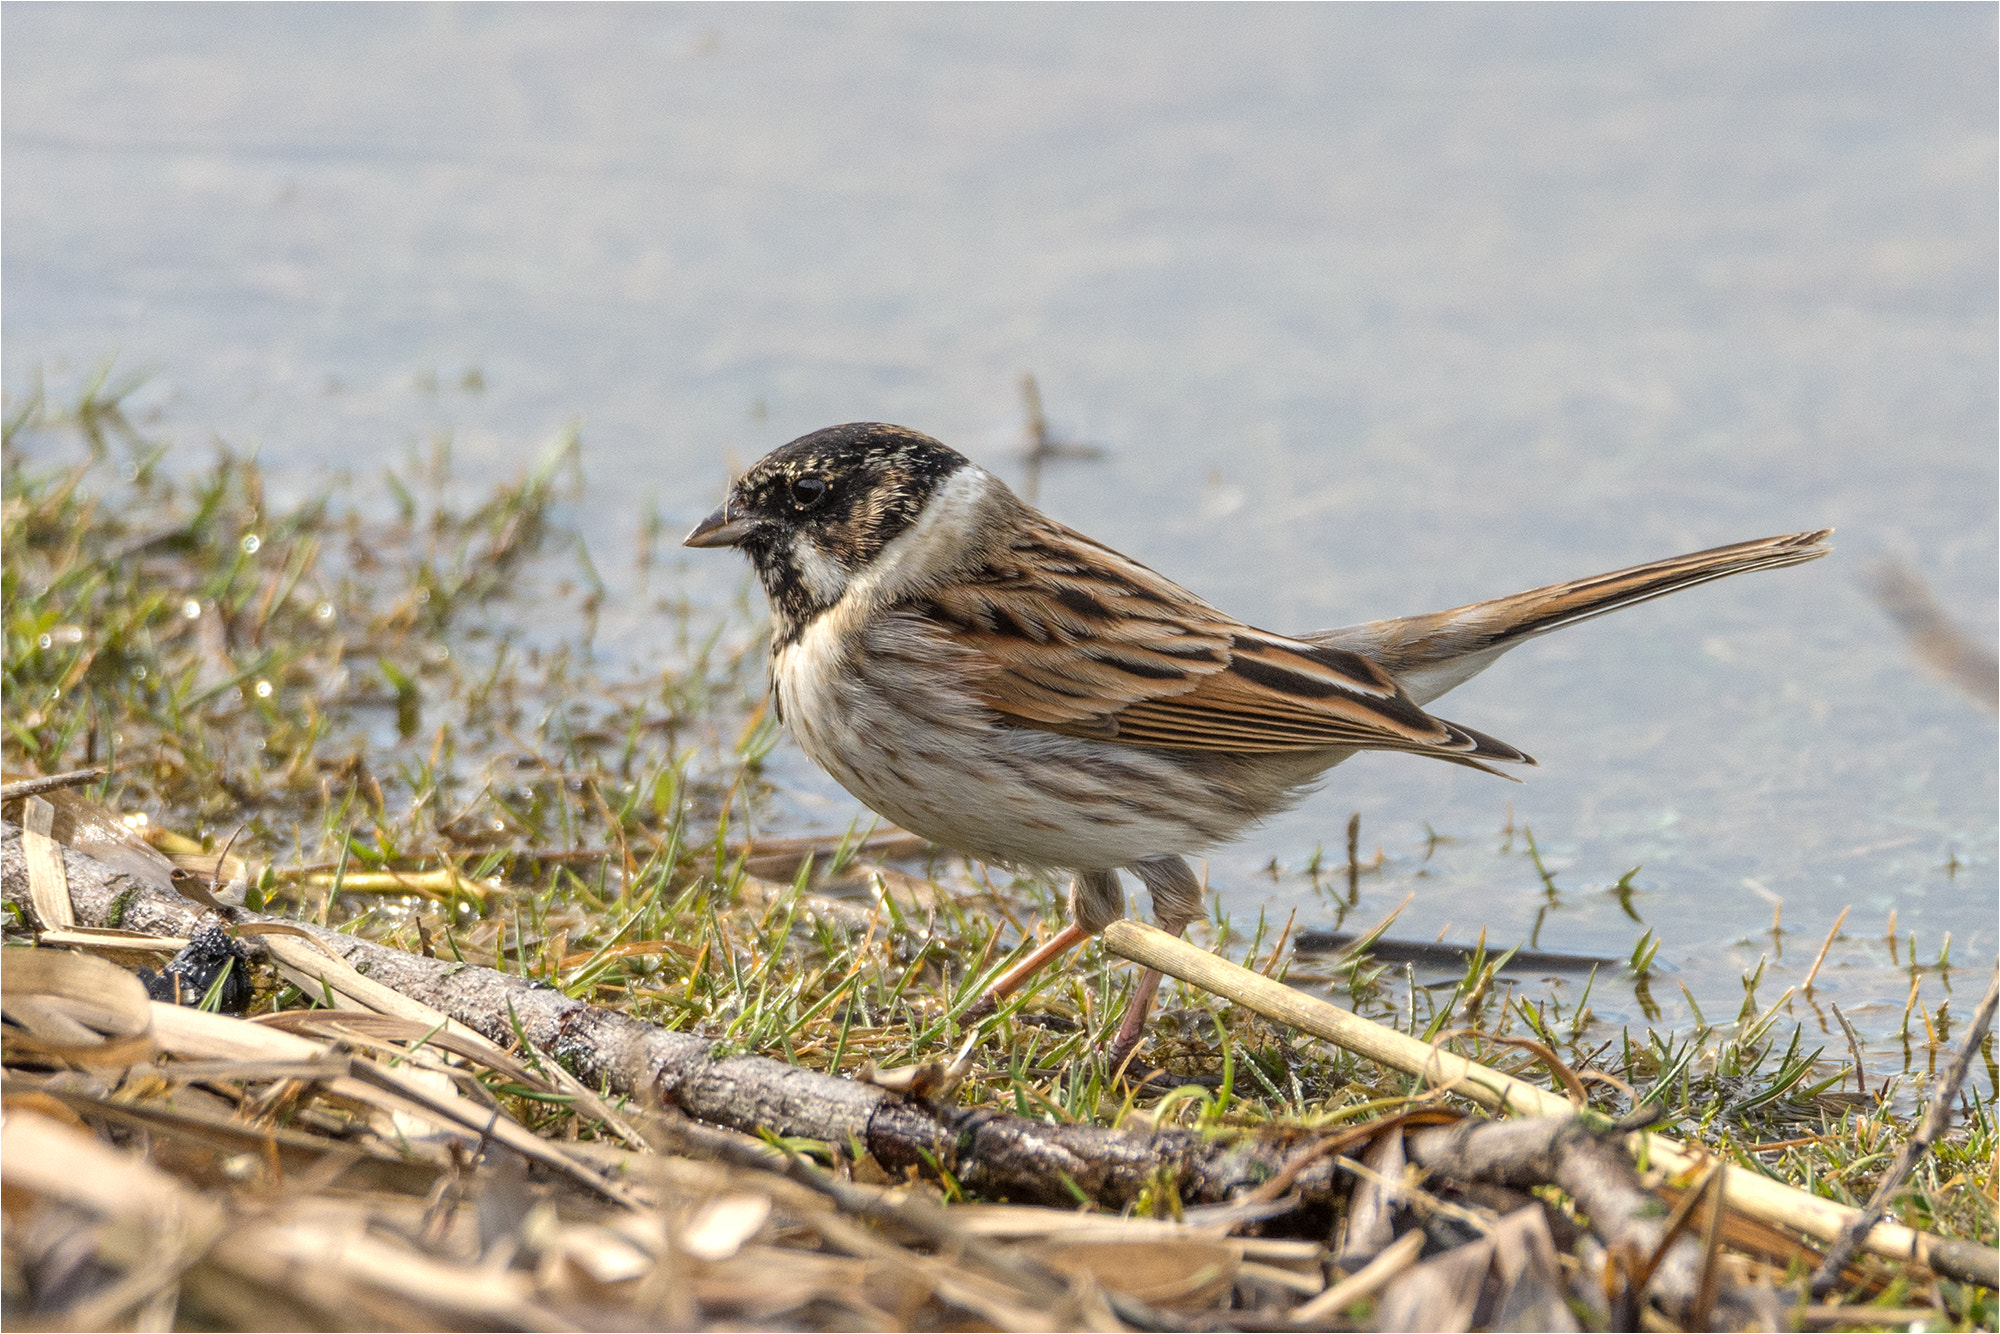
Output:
x=1013 y=690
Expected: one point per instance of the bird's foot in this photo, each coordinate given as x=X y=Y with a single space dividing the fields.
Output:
x=984 y=1008
x=1118 y=1053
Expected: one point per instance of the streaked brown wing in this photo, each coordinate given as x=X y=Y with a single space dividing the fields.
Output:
x=1069 y=636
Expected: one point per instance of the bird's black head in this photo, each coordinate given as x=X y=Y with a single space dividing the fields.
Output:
x=812 y=514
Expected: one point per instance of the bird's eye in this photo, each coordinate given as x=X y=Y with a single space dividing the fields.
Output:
x=809 y=491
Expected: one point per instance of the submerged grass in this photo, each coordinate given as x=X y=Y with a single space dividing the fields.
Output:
x=383 y=698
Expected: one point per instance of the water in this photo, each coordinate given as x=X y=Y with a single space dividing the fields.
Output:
x=1377 y=310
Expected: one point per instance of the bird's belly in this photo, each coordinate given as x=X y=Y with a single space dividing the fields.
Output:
x=1011 y=804
x=934 y=761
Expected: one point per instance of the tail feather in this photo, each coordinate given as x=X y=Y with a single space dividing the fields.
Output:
x=1430 y=654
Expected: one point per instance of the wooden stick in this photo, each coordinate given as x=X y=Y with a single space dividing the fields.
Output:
x=1758 y=1196
x=1274 y=1000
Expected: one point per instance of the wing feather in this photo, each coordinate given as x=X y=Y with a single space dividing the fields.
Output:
x=1065 y=635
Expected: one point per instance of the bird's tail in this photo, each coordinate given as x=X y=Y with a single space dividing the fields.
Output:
x=1430 y=654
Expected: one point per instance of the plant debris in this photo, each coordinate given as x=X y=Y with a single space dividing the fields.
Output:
x=548 y=1030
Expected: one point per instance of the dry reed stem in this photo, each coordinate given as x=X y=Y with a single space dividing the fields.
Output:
x=1755 y=1195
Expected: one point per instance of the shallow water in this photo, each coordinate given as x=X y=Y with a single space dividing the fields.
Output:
x=1376 y=310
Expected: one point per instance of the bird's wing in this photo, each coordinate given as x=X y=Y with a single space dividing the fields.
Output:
x=1065 y=635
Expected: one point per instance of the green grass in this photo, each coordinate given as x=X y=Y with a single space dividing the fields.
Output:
x=397 y=676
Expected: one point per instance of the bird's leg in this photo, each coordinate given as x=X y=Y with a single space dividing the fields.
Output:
x=1011 y=980
x=1177 y=898
x=1095 y=901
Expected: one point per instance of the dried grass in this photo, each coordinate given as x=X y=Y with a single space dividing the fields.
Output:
x=339 y=709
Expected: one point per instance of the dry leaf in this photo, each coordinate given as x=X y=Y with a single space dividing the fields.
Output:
x=720 y=1227
x=74 y=1009
x=1185 y=1274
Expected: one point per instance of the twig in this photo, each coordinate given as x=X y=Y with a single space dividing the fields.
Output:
x=1331 y=1146
x=1905 y=599
x=1371 y=1206
x=1677 y=1223
x=1420 y=1200
x=30 y=787
x=434 y=884
x=1870 y=1315
x=1711 y=1252
x=911 y=1211
x=1937 y=1116
x=1813 y=972
x=1595 y=1172
x=1042 y=447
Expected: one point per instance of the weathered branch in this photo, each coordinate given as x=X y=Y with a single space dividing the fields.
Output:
x=993 y=1154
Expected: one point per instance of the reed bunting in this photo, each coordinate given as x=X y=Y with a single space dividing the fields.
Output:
x=1008 y=688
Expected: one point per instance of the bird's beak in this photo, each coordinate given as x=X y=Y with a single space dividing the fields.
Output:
x=720 y=529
